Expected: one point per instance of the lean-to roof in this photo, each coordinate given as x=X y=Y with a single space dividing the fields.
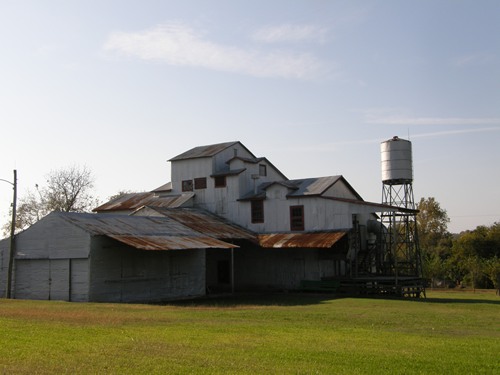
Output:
x=300 y=240
x=205 y=222
x=143 y=232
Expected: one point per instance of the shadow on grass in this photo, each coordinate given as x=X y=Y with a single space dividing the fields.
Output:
x=257 y=299
x=460 y=300
x=304 y=299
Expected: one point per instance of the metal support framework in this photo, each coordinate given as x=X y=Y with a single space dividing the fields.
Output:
x=403 y=251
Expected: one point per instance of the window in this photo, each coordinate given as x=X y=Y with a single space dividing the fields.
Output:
x=187 y=185
x=262 y=170
x=297 y=218
x=220 y=181
x=200 y=183
x=257 y=208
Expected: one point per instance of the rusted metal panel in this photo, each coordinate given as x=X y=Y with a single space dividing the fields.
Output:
x=171 y=242
x=207 y=223
x=96 y=224
x=145 y=232
x=134 y=201
x=300 y=240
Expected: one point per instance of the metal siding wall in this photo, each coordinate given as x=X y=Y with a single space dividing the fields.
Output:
x=123 y=274
x=32 y=279
x=279 y=268
x=59 y=281
x=79 y=280
x=53 y=238
x=188 y=170
x=51 y=279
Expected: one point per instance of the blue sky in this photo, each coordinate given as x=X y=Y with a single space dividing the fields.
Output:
x=315 y=86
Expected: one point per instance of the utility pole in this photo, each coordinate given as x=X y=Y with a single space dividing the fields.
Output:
x=12 y=236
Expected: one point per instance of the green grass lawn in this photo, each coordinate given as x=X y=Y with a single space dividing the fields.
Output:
x=447 y=333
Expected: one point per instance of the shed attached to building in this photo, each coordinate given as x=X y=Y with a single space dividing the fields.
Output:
x=112 y=258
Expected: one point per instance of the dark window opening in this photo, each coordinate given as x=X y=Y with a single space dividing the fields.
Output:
x=262 y=170
x=187 y=185
x=220 y=181
x=297 y=218
x=200 y=183
x=257 y=208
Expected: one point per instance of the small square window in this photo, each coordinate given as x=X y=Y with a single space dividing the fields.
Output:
x=262 y=170
x=187 y=185
x=200 y=183
x=220 y=181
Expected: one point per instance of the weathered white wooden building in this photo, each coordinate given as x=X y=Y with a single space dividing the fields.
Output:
x=228 y=220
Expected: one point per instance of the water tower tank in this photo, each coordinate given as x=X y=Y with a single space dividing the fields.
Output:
x=396 y=161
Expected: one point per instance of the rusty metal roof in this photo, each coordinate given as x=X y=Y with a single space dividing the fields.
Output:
x=129 y=202
x=207 y=223
x=204 y=151
x=172 y=242
x=144 y=232
x=302 y=240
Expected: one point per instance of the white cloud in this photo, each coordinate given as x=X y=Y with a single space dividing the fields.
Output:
x=402 y=120
x=291 y=33
x=454 y=132
x=336 y=146
x=180 y=45
x=479 y=59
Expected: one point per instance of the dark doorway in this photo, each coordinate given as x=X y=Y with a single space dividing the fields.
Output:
x=223 y=272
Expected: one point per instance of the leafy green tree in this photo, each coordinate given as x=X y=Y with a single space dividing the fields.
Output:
x=492 y=270
x=434 y=269
x=473 y=266
x=434 y=238
x=432 y=223
x=472 y=251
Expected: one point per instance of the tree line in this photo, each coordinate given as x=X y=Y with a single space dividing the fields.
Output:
x=468 y=259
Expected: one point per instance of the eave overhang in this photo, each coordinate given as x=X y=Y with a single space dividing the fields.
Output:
x=159 y=243
x=300 y=240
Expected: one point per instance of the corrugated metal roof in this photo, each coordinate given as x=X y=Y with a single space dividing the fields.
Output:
x=302 y=240
x=313 y=186
x=299 y=188
x=172 y=242
x=143 y=232
x=207 y=223
x=128 y=202
x=203 y=151
x=164 y=187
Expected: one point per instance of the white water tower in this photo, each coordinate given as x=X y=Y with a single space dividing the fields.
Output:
x=403 y=258
x=397 y=163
